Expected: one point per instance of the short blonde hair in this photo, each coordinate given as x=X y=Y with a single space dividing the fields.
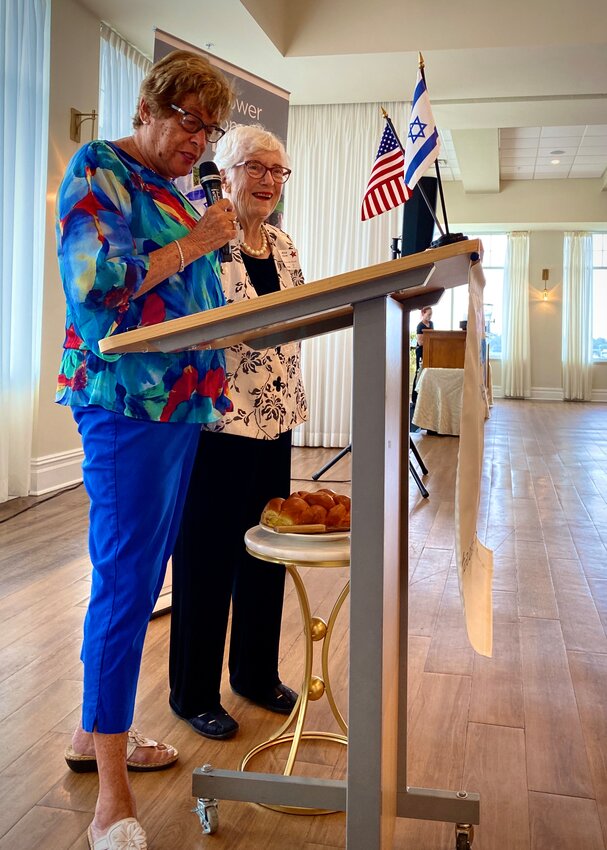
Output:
x=242 y=140
x=179 y=74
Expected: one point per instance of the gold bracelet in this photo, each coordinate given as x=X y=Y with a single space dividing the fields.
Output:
x=181 y=260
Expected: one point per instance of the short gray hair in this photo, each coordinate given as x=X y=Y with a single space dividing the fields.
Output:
x=242 y=140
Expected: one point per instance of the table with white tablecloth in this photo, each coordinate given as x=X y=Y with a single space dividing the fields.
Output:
x=439 y=400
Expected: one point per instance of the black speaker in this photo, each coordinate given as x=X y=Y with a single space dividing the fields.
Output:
x=418 y=222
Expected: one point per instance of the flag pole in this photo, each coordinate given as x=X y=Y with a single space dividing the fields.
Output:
x=446 y=236
x=418 y=184
x=422 y=66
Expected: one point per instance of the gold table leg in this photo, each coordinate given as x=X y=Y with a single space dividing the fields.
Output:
x=312 y=688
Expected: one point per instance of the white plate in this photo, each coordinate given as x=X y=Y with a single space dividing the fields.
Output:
x=323 y=535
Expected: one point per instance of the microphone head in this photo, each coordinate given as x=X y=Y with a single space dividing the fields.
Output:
x=210 y=183
x=208 y=171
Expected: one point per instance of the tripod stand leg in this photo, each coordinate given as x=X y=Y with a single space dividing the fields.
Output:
x=418 y=458
x=327 y=466
x=418 y=480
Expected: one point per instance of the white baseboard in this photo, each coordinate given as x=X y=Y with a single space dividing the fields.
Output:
x=547 y=393
x=55 y=472
x=551 y=394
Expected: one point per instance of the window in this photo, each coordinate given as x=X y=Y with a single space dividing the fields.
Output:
x=494 y=259
x=599 y=297
x=453 y=306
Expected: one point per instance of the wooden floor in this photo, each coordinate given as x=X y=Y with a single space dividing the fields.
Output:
x=527 y=728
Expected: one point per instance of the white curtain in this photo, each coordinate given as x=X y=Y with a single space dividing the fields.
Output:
x=577 y=317
x=25 y=58
x=332 y=150
x=121 y=69
x=516 y=371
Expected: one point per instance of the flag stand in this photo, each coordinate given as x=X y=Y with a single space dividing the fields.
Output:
x=423 y=194
x=446 y=237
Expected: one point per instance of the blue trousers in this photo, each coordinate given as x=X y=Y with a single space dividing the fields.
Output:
x=136 y=474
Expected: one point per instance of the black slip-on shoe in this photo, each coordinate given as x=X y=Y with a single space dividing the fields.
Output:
x=280 y=699
x=216 y=723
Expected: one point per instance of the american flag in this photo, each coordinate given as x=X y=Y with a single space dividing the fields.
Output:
x=386 y=187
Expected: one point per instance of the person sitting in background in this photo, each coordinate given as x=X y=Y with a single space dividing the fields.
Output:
x=242 y=461
x=132 y=251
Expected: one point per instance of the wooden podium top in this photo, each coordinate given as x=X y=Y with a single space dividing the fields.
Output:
x=308 y=310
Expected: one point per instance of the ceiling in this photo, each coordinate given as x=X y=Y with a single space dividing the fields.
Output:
x=510 y=83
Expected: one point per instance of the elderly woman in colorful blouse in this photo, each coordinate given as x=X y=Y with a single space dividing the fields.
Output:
x=132 y=251
x=242 y=461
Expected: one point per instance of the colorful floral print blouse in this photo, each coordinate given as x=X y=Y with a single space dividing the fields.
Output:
x=111 y=213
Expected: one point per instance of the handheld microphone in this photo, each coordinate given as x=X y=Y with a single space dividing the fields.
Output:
x=210 y=183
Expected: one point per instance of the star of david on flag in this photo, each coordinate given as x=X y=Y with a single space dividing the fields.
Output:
x=422 y=146
x=386 y=187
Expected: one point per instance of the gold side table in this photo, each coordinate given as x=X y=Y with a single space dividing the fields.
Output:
x=293 y=551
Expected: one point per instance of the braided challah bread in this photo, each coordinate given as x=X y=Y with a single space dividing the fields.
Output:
x=323 y=507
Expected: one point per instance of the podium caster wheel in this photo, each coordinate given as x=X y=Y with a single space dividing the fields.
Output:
x=464 y=836
x=206 y=809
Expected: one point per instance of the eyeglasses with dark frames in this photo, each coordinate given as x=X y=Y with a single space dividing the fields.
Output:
x=257 y=170
x=193 y=124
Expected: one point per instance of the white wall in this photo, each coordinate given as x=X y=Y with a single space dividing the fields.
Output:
x=532 y=204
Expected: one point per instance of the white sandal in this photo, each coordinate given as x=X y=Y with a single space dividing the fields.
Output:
x=136 y=739
x=81 y=763
x=125 y=834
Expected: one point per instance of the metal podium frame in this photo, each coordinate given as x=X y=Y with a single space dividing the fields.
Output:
x=376 y=302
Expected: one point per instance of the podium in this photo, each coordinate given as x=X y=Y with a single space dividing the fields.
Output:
x=444 y=349
x=376 y=302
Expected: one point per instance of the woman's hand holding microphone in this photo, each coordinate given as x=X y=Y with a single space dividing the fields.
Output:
x=214 y=230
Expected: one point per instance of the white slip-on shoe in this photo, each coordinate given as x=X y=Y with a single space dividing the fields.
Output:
x=125 y=834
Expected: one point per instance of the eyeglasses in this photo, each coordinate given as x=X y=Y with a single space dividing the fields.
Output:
x=257 y=170
x=193 y=124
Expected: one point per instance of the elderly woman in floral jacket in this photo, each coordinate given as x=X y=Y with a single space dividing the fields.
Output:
x=243 y=461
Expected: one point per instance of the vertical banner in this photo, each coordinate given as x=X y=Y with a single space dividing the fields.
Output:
x=474 y=561
x=257 y=102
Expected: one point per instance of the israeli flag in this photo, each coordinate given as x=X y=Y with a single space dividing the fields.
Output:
x=422 y=146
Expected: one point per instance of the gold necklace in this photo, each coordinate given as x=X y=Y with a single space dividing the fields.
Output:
x=257 y=252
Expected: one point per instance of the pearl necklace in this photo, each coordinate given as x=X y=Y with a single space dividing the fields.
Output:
x=257 y=252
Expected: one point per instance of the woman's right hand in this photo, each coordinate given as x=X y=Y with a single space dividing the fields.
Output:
x=216 y=227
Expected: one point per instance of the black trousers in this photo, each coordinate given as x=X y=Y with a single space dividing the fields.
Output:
x=232 y=479
x=419 y=353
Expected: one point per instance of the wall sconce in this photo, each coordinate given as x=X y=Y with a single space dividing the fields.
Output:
x=77 y=119
x=545 y=277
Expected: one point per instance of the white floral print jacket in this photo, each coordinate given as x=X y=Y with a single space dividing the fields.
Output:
x=265 y=386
